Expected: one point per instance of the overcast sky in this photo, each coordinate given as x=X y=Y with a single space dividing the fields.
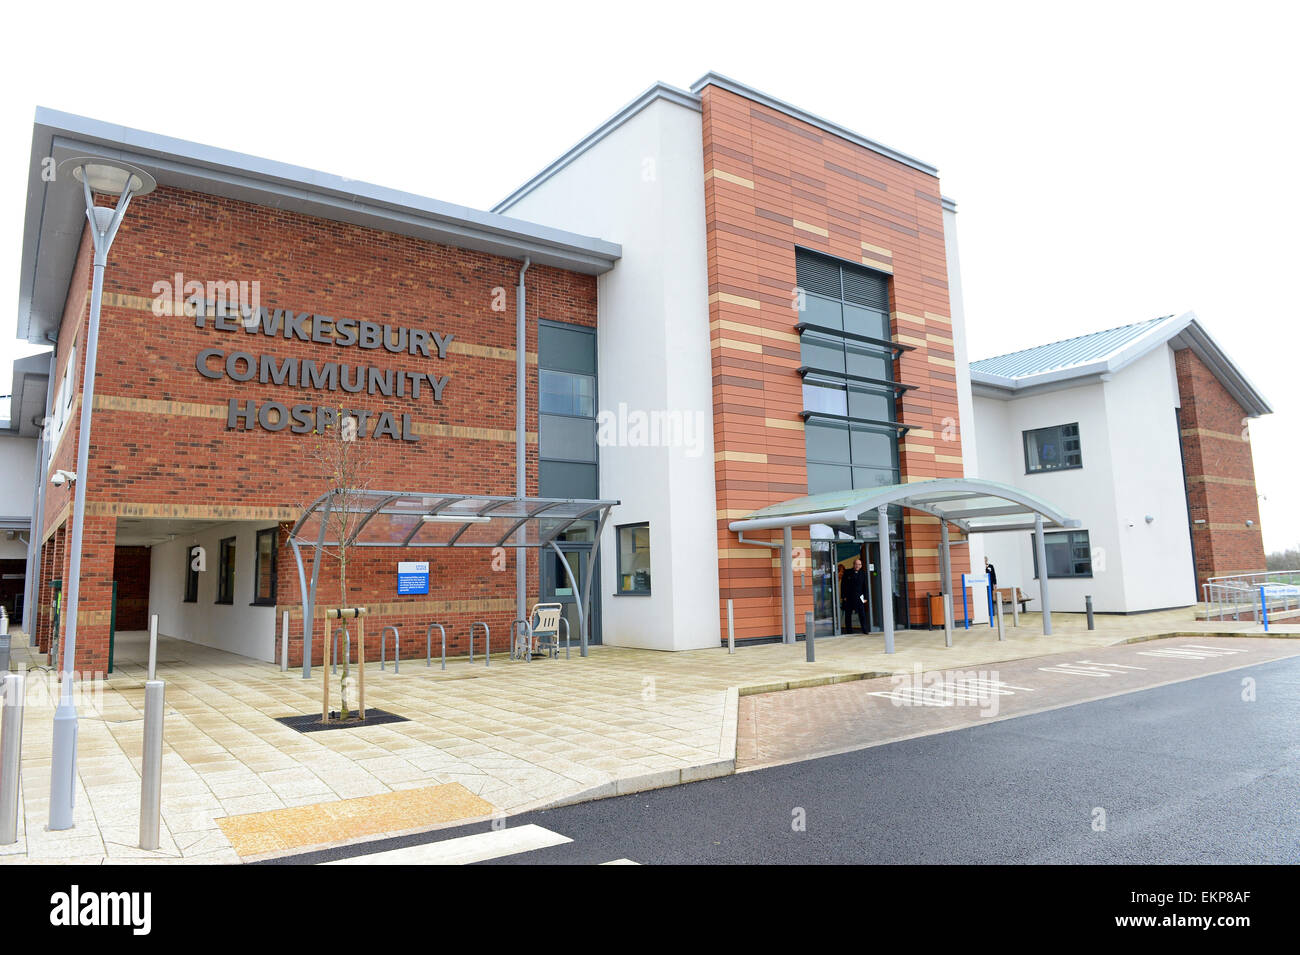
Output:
x=1110 y=163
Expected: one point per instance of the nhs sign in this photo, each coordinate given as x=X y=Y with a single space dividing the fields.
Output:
x=412 y=577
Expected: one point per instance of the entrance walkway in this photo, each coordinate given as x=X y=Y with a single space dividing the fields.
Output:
x=511 y=736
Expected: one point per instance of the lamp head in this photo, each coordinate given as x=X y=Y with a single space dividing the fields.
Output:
x=109 y=176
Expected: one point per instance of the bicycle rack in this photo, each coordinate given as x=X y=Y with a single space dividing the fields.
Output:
x=564 y=620
x=428 y=644
x=397 y=647
x=517 y=627
x=487 y=640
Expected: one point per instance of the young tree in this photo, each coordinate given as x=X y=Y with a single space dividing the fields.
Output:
x=342 y=459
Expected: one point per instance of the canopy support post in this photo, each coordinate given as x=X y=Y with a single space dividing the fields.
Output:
x=1040 y=550
x=586 y=584
x=886 y=579
x=945 y=580
x=573 y=583
x=787 y=586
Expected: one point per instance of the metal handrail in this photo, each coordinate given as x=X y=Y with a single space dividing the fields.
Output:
x=428 y=644
x=487 y=640
x=397 y=647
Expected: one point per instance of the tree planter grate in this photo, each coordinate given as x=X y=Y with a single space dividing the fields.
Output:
x=311 y=723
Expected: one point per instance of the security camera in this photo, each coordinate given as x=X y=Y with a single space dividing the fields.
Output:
x=62 y=477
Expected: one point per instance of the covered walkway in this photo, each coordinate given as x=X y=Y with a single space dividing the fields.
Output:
x=973 y=505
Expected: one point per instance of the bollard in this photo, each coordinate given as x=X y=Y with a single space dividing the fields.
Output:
x=11 y=748
x=153 y=646
x=1015 y=607
x=1001 y=632
x=1087 y=604
x=151 y=765
x=284 y=643
x=4 y=652
x=947 y=620
x=731 y=626
x=810 y=654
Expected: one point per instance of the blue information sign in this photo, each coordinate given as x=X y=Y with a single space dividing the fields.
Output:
x=412 y=577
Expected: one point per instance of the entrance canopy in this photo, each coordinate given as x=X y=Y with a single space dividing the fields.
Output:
x=412 y=519
x=973 y=505
x=406 y=519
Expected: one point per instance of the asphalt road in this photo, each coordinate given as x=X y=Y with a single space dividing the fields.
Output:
x=1185 y=773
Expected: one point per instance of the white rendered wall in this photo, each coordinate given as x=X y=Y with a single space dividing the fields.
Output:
x=1141 y=404
x=965 y=404
x=643 y=187
x=236 y=627
x=1086 y=494
x=17 y=472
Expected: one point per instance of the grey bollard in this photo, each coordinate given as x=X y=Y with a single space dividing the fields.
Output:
x=731 y=627
x=1087 y=603
x=1001 y=633
x=810 y=652
x=153 y=646
x=4 y=652
x=151 y=765
x=11 y=748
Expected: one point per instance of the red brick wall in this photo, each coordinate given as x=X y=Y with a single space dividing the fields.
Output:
x=773 y=183
x=1220 y=473
x=160 y=445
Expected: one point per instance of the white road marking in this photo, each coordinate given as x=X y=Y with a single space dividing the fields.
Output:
x=1192 y=651
x=1088 y=668
x=972 y=690
x=465 y=849
x=620 y=862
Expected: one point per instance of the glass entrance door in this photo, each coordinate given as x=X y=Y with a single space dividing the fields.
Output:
x=826 y=589
x=556 y=586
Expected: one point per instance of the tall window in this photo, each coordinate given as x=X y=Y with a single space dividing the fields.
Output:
x=566 y=420
x=191 y=576
x=226 y=572
x=634 y=559
x=264 y=572
x=1053 y=449
x=850 y=397
x=1069 y=554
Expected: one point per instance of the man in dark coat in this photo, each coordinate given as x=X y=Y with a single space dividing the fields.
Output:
x=853 y=594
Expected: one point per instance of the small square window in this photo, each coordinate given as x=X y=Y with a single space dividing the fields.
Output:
x=634 y=559
x=1053 y=449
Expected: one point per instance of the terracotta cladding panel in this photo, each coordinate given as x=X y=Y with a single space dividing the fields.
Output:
x=814 y=190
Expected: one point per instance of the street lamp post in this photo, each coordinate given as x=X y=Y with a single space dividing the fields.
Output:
x=109 y=177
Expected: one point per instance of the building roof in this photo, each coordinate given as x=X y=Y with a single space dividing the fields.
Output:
x=56 y=213
x=25 y=413
x=1092 y=357
x=691 y=100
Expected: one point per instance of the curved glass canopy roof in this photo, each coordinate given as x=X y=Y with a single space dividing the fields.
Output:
x=366 y=518
x=972 y=504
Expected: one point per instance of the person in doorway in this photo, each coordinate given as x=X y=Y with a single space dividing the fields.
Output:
x=854 y=591
x=992 y=572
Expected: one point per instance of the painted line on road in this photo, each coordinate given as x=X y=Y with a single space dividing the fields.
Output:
x=465 y=849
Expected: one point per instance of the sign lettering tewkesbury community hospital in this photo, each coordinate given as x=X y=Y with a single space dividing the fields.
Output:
x=241 y=366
